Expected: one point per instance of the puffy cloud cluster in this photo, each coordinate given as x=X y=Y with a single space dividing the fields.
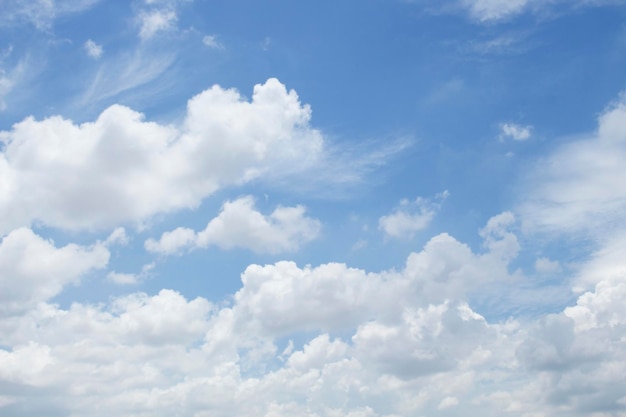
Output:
x=156 y=355
x=240 y=225
x=122 y=168
x=321 y=341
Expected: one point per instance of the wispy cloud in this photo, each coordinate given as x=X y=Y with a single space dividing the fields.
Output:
x=9 y=79
x=93 y=49
x=212 y=42
x=126 y=72
x=40 y=13
x=495 y=11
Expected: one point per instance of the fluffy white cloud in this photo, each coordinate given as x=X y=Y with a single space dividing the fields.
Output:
x=411 y=217
x=281 y=298
x=394 y=334
x=32 y=270
x=515 y=131
x=122 y=168
x=173 y=241
x=93 y=49
x=240 y=225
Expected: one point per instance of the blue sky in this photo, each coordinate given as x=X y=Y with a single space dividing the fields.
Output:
x=374 y=208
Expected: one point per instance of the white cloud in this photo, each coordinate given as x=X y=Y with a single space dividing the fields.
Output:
x=448 y=402
x=280 y=298
x=160 y=355
x=8 y=80
x=546 y=266
x=6 y=84
x=33 y=270
x=165 y=352
x=515 y=131
x=411 y=217
x=605 y=263
x=239 y=224
x=155 y=21
x=124 y=278
x=93 y=49
x=581 y=186
x=494 y=11
x=124 y=73
x=117 y=237
x=212 y=42
x=122 y=168
x=498 y=237
x=173 y=241
x=40 y=13
x=488 y=10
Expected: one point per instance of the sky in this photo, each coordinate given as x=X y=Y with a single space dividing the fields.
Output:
x=374 y=208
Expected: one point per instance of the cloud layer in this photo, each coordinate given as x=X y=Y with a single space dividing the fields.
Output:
x=320 y=341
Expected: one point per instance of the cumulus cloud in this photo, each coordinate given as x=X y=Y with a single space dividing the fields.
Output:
x=93 y=49
x=32 y=270
x=394 y=334
x=239 y=224
x=411 y=217
x=164 y=348
x=277 y=299
x=515 y=131
x=121 y=168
